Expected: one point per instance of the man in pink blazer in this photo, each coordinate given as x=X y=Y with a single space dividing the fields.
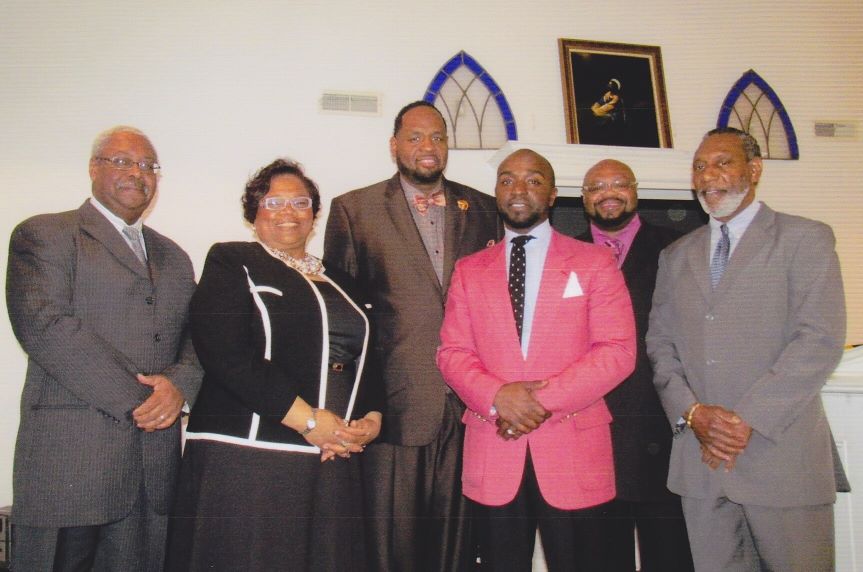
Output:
x=537 y=330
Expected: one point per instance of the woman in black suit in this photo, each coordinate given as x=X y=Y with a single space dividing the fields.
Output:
x=268 y=480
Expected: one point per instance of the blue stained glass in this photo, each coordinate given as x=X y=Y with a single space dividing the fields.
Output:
x=734 y=95
x=464 y=59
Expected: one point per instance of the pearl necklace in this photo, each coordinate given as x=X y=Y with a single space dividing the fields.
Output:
x=308 y=264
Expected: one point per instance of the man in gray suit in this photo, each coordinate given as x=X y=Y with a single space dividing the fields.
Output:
x=99 y=303
x=748 y=321
x=400 y=239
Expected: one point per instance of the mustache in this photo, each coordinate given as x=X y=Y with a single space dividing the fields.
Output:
x=136 y=185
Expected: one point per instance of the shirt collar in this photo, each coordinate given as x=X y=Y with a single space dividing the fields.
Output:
x=737 y=225
x=115 y=221
x=541 y=233
x=411 y=190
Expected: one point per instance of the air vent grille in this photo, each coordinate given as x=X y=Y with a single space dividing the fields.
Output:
x=353 y=103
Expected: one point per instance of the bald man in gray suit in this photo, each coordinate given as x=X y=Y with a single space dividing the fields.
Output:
x=748 y=322
x=99 y=304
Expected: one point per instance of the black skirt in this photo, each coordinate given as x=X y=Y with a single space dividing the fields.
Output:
x=240 y=508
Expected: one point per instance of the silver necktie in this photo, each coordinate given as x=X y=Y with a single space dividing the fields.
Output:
x=134 y=238
x=720 y=256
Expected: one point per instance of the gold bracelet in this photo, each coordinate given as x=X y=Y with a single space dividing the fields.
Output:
x=689 y=415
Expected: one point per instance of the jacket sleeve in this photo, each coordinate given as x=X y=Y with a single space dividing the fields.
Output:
x=39 y=296
x=457 y=356
x=222 y=319
x=186 y=373
x=669 y=376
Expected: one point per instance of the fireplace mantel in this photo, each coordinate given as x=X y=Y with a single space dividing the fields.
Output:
x=661 y=173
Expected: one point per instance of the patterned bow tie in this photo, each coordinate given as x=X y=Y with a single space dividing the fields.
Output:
x=422 y=202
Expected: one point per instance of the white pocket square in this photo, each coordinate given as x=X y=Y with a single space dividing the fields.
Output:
x=573 y=288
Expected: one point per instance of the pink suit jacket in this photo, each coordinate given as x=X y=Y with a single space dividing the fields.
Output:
x=582 y=341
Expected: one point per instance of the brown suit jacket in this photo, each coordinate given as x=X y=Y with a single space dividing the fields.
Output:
x=371 y=235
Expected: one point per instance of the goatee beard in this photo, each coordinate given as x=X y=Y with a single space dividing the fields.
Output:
x=615 y=223
x=726 y=207
x=418 y=178
x=529 y=222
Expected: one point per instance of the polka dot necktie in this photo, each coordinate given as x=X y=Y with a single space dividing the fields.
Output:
x=517 y=272
x=720 y=256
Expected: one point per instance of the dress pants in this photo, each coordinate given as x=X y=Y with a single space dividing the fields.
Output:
x=416 y=515
x=730 y=537
x=135 y=543
x=571 y=539
x=663 y=544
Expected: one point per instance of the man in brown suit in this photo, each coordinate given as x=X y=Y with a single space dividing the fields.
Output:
x=400 y=239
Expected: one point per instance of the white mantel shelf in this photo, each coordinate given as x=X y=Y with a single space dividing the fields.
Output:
x=662 y=173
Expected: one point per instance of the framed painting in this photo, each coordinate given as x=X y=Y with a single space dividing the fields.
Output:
x=614 y=94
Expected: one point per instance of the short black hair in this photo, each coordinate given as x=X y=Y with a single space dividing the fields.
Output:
x=259 y=185
x=413 y=105
x=750 y=145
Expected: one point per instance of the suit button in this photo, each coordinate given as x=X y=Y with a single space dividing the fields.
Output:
x=157 y=338
x=149 y=300
x=653 y=448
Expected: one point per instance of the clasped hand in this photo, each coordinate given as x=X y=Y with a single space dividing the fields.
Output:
x=161 y=409
x=723 y=435
x=519 y=411
x=336 y=437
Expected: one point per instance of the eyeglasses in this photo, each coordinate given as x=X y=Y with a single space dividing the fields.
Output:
x=281 y=203
x=602 y=186
x=125 y=164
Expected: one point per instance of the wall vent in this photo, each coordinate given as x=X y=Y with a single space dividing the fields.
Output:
x=351 y=103
x=844 y=129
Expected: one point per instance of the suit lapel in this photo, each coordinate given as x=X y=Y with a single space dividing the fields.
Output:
x=496 y=305
x=399 y=212
x=155 y=254
x=754 y=239
x=455 y=219
x=555 y=274
x=96 y=225
x=698 y=256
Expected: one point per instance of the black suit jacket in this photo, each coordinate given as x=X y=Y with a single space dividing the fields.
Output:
x=641 y=436
x=249 y=304
x=372 y=236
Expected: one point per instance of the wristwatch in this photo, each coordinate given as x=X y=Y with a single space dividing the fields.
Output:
x=311 y=422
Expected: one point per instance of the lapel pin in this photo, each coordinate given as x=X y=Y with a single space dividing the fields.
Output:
x=463 y=204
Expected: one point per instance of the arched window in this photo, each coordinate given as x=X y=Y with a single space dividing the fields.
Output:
x=474 y=108
x=754 y=107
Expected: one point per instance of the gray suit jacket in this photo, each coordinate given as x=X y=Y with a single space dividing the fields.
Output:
x=371 y=235
x=762 y=344
x=90 y=317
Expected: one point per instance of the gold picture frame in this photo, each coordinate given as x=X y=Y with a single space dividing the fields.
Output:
x=614 y=94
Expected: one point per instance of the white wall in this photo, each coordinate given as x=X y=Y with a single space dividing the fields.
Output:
x=223 y=87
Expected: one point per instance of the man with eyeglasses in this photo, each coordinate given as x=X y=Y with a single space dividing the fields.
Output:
x=641 y=436
x=99 y=304
x=400 y=239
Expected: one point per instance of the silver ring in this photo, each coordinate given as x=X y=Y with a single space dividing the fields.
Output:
x=510 y=431
x=344 y=444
